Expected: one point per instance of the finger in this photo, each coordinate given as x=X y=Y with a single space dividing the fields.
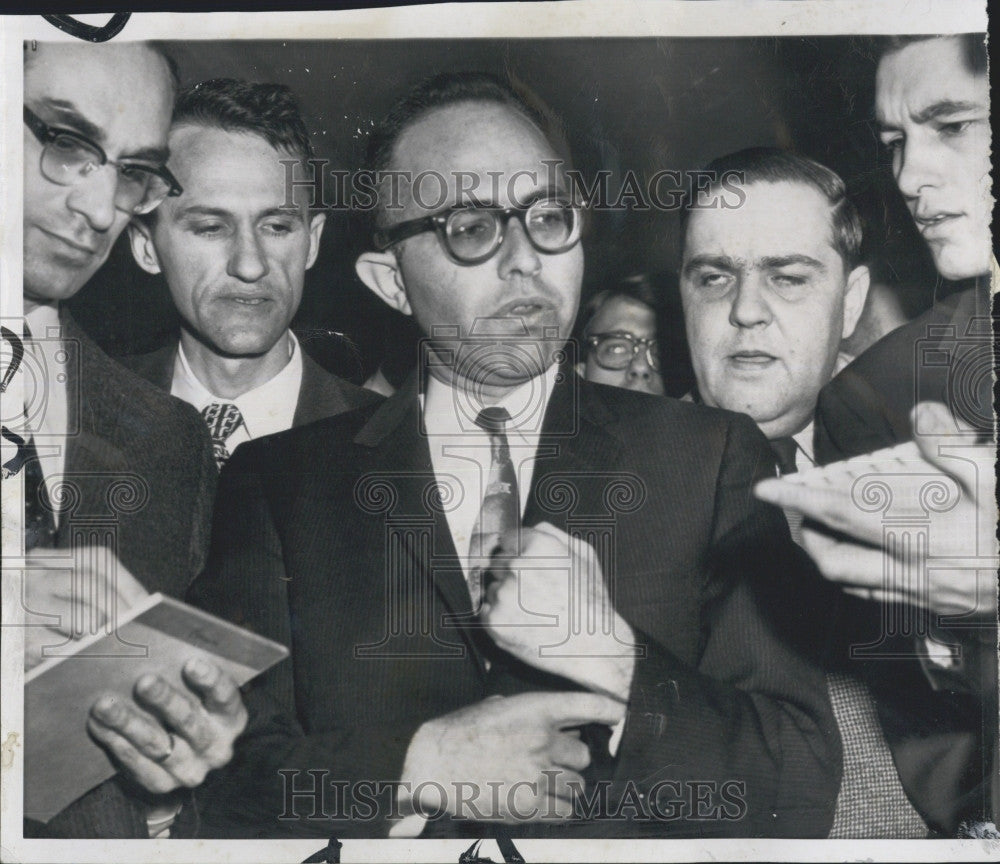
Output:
x=176 y=710
x=562 y=784
x=842 y=560
x=934 y=428
x=569 y=752
x=831 y=505
x=880 y=595
x=143 y=732
x=139 y=767
x=575 y=709
x=219 y=693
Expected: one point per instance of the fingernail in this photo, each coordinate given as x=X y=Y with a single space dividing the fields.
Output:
x=199 y=668
x=106 y=709
x=151 y=686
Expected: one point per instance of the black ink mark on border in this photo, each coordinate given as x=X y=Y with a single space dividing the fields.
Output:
x=68 y=24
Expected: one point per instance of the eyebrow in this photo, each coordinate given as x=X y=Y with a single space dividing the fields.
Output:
x=196 y=210
x=771 y=262
x=719 y=262
x=68 y=116
x=936 y=110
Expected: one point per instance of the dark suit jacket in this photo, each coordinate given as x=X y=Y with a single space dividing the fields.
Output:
x=330 y=539
x=321 y=393
x=139 y=464
x=941 y=738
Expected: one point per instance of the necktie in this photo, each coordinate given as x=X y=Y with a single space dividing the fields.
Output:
x=222 y=418
x=39 y=521
x=784 y=452
x=500 y=511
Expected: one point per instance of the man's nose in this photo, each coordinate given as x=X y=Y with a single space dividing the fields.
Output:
x=93 y=197
x=639 y=368
x=517 y=255
x=247 y=261
x=749 y=307
x=915 y=165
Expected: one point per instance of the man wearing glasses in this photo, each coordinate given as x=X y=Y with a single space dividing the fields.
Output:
x=620 y=338
x=101 y=446
x=415 y=556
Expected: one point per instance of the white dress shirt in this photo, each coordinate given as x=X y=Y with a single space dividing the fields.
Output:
x=460 y=450
x=268 y=408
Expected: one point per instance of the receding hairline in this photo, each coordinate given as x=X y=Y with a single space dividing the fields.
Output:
x=68 y=48
x=485 y=104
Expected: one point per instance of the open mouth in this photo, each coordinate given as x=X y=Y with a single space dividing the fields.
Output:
x=247 y=301
x=931 y=221
x=751 y=359
x=524 y=308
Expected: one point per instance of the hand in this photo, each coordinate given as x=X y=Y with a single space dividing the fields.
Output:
x=74 y=601
x=506 y=759
x=855 y=556
x=178 y=737
x=549 y=607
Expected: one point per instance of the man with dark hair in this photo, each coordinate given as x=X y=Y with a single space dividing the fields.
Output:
x=770 y=290
x=234 y=258
x=620 y=338
x=103 y=447
x=932 y=607
x=490 y=585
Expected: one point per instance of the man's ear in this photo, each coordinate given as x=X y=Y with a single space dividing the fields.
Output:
x=141 y=240
x=316 y=223
x=858 y=282
x=380 y=272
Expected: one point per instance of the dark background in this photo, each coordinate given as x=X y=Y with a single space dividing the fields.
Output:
x=626 y=104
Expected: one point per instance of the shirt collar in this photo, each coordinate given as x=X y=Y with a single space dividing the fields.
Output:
x=451 y=412
x=42 y=318
x=268 y=408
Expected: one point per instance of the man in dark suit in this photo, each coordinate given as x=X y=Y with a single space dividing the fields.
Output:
x=234 y=259
x=107 y=455
x=409 y=552
x=929 y=381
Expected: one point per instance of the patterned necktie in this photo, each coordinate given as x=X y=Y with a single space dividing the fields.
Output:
x=500 y=511
x=222 y=418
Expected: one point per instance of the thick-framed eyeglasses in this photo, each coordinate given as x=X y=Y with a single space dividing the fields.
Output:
x=472 y=234
x=69 y=157
x=615 y=351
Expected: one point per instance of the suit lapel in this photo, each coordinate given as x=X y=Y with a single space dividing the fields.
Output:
x=403 y=459
x=569 y=482
x=319 y=395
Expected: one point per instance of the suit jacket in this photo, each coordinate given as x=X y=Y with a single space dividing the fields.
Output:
x=140 y=471
x=321 y=393
x=941 y=736
x=332 y=539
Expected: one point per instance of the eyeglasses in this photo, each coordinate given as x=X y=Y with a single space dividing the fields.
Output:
x=616 y=350
x=471 y=234
x=69 y=157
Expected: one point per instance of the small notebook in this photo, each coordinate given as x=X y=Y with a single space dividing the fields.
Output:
x=61 y=760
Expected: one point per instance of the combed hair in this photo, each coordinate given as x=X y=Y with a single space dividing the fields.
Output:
x=638 y=287
x=453 y=88
x=267 y=110
x=773 y=165
x=973 y=45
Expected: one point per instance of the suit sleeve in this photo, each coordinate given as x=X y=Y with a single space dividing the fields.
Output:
x=754 y=713
x=852 y=419
x=246 y=581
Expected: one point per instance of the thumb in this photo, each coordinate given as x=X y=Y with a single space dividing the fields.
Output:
x=575 y=709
